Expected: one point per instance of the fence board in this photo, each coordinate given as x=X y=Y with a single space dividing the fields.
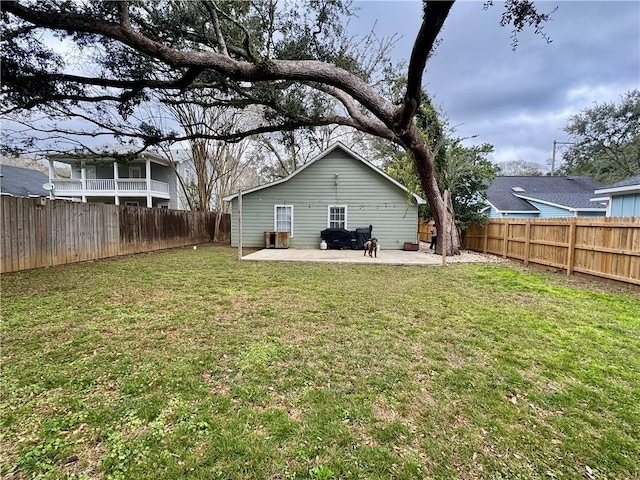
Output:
x=5 y=253
x=61 y=232
x=606 y=247
x=40 y=241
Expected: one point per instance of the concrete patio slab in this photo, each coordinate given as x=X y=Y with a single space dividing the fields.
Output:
x=386 y=257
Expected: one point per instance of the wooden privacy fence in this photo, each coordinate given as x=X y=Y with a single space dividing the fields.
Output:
x=58 y=232
x=424 y=229
x=605 y=247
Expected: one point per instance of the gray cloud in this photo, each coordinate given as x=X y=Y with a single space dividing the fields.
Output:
x=520 y=101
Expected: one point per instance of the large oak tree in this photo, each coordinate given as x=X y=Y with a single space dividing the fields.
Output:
x=286 y=61
x=605 y=140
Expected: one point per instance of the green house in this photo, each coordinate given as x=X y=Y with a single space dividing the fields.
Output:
x=336 y=189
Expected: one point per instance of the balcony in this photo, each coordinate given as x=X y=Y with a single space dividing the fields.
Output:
x=109 y=187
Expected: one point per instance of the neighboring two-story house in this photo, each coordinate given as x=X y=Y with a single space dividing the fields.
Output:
x=147 y=180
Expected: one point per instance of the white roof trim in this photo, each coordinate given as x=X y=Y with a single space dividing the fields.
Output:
x=627 y=189
x=64 y=157
x=563 y=207
x=419 y=200
x=535 y=210
x=519 y=211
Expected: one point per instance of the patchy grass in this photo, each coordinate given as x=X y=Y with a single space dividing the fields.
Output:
x=188 y=364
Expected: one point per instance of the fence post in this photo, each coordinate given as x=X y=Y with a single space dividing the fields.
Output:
x=505 y=222
x=527 y=242
x=572 y=245
x=240 y=225
x=486 y=238
x=445 y=225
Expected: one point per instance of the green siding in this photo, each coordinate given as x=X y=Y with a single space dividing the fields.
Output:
x=370 y=198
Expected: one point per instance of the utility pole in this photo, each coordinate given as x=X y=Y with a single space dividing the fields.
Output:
x=553 y=155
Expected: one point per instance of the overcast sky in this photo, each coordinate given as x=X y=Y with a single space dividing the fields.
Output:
x=520 y=101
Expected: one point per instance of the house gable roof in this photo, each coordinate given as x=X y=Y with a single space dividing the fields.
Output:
x=629 y=185
x=337 y=145
x=514 y=194
x=22 y=182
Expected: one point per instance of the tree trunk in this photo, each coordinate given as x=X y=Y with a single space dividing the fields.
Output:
x=424 y=162
x=449 y=236
x=216 y=226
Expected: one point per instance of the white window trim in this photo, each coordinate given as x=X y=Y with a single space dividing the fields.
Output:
x=132 y=204
x=275 y=218
x=93 y=174
x=133 y=168
x=329 y=207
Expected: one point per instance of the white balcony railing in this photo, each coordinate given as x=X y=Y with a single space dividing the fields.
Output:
x=68 y=185
x=157 y=186
x=100 y=184
x=107 y=187
x=129 y=185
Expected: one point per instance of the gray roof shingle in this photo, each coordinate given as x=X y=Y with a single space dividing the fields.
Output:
x=570 y=192
x=571 y=200
x=627 y=182
x=22 y=182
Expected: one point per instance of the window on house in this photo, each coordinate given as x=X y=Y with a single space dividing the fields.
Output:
x=337 y=216
x=135 y=172
x=132 y=204
x=283 y=218
x=90 y=173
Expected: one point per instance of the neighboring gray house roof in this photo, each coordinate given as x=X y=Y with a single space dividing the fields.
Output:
x=513 y=194
x=629 y=185
x=22 y=182
x=578 y=201
x=419 y=200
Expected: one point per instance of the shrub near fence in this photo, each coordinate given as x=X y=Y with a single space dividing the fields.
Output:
x=59 y=232
x=604 y=247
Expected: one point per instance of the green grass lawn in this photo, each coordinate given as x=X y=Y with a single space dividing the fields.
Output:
x=189 y=364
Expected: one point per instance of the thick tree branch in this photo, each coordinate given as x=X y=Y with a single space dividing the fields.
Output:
x=366 y=124
x=434 y=15
x=295 y=70
x=222 y=45
x=177 y=84
x=247 y=53
x=123 y=9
